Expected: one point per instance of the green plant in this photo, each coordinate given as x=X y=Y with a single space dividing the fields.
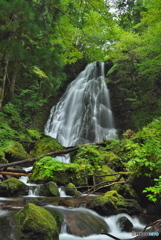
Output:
x=155 y=190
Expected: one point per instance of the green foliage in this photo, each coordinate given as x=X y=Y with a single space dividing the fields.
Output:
x=90 y=155
x=154 y=192
x=34 y=134
x=129 y=12
x=145 y=150
x=48 y=168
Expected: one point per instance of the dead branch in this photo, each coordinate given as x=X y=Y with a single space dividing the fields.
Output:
x=97 y=187
x=111 y=236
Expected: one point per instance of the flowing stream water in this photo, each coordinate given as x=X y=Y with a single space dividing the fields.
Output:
x=83 y=114
x=112 y=224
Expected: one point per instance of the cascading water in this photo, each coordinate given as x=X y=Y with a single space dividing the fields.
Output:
x=74 y=215
x=83 y=114
x=33 y=188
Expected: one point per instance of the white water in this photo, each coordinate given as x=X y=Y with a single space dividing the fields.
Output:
x=62 y=193
x=65 y=158
x=33 y=188
x=83 y=114
x=111 y=221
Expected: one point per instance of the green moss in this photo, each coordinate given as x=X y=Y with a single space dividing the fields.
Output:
x=126 y=190
x=71 y=190
x=3 y=160
x=47 y=169
x=12 y=187
x=108 y=156
x=111 y=197
x=58 y=218
x=106 y=170
x=16 y=150
x=34 y=222
x=34 y=134
x=49 y=189
x=90 y=153
x=46 y=145
x=112 y=203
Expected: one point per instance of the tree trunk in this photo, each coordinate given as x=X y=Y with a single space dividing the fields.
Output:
x=10 y=91
x=3 y=83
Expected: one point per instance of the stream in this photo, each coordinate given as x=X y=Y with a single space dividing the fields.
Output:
x=78 y=215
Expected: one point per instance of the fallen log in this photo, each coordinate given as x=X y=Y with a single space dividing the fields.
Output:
x=10 y=169
x=57 y=153
x=15 y=174
x=36 y=158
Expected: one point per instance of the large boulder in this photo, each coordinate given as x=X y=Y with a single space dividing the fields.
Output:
x=45 y=145
x=15 y=151
x=48 y=169
x=35 y=223
x=13 y=187
x=113 y=203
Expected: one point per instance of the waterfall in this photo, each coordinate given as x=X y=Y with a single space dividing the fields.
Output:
x=83 y=114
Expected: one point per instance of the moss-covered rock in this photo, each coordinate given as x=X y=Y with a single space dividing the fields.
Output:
x=113 y=203
x=71 y=190
x=49 y=189
x=126 y=190
x=46 y=145
x=13 y=187
x=48 y=169
x=15 y=151
x=35 y=223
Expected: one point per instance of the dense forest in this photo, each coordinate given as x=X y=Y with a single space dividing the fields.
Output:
x=44 y=44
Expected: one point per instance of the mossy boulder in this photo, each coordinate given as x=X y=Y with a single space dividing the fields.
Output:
x=35 y=223
x=126 y=190
x=48 y=169
x=71 y=190
x=15 y=151
x=46 y=145
x=13 y=187
x=113 y=203
x=49 y=189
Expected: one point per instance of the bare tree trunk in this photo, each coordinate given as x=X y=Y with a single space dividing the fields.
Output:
x=3 y=83
x=12 y=83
